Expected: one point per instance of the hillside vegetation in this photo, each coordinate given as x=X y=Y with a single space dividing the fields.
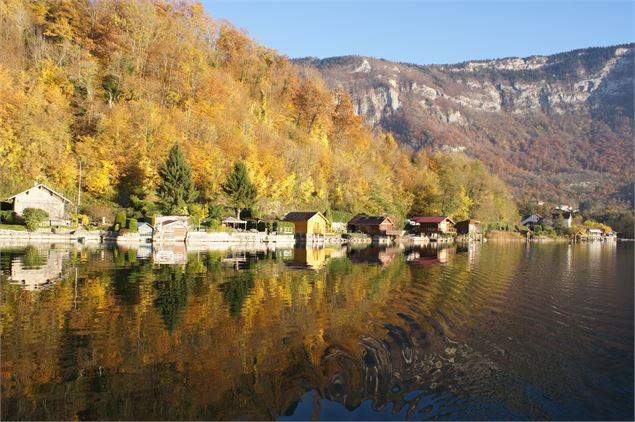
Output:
x=557 y=128
x=116 y=84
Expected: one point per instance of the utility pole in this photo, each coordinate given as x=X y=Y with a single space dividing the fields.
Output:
x=79 y=192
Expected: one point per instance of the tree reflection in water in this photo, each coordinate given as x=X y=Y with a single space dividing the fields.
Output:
x=241 y=334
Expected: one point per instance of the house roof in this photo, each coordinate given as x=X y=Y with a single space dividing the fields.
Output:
x=369 y=220
x=435 y=219
x=301 y=215
x=41 y=185
x=168 y=222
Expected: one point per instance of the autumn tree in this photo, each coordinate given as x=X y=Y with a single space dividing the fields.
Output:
x=116 y=82
x=176 y=188
x=239 y=189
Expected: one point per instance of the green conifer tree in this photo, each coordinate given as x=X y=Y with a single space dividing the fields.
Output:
x=176 y=188
x=239 y=189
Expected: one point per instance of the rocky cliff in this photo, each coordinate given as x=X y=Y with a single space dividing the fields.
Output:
x=557 y=127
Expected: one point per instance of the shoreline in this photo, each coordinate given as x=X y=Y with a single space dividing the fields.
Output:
x=240 y=238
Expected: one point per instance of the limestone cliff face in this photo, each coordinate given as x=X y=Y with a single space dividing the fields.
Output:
x=540 y=121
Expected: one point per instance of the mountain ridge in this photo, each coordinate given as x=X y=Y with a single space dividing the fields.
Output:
x=558 y=126
x=575 y=50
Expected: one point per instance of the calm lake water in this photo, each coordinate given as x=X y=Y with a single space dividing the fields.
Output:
x=493 y=331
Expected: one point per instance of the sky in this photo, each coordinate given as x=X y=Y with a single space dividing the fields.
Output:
x=426 y=32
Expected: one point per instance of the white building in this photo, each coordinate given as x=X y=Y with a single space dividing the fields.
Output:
x=42 y=197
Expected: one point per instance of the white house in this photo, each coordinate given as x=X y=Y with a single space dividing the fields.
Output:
x=42 y=197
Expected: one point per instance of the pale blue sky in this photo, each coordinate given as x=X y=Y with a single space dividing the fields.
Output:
x=429 y=31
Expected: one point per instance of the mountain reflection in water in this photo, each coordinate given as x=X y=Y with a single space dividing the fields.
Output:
x=492 y=331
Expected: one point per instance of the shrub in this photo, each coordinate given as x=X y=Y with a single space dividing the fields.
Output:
x=33 y=217
x=214 y=224
x=132 y=225
x=6 y=216
x=82 y=219
x=120 y=220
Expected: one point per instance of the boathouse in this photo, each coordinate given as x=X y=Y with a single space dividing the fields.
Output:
x=594 y=234
x=373 y=225
x=42 y=197
x=170 y=228
x=308 y=223
x=468 y=228
x=435 y=227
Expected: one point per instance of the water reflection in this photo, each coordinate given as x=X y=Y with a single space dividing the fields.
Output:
x=169 y=253
x=483 y=332
x=314 y=258
x=38 y=267
x=431 y=254
x=374 y=254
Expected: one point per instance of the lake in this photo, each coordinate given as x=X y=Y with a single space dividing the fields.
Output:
x=500 y=330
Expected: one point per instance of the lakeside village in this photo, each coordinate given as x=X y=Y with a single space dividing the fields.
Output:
x=41 y=213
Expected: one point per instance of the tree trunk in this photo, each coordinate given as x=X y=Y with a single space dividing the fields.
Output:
x=238 y=213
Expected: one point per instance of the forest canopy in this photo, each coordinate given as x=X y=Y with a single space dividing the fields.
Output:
x=116 y=84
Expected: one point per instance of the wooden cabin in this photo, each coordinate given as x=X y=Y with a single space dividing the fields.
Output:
x=308 y=223
x=468 y=227
x=42 y=197
x=373 y=225
x=434 y=227
x=170 y=228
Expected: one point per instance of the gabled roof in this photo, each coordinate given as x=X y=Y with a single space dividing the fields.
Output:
x=302 y=215
x=369 y=220
x=41 y=185
x=530 y=217
x=435 y=219
x=168 y=222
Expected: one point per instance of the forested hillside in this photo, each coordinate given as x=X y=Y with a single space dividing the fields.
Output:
x=116 y=84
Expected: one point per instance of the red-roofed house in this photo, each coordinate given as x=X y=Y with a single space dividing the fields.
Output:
x=433 y=227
